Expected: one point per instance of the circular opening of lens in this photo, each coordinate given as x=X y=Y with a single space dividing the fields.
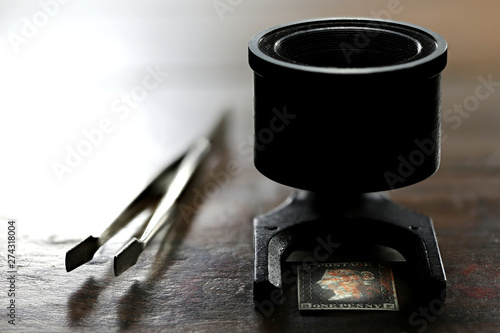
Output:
x=347 y=47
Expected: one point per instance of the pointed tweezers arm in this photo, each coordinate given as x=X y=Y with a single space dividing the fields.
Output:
x=84 y=251
x=183 y=175
x=164 y=212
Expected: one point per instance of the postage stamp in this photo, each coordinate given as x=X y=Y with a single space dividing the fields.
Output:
x=347 y=286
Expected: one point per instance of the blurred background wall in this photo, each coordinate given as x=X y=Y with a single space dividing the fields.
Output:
x=67 y=64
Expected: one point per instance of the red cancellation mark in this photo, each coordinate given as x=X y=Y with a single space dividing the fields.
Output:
x=347 y=286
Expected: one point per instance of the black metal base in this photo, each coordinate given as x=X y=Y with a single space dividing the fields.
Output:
x=363 y=219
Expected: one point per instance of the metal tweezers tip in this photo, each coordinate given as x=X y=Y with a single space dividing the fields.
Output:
x=81 y=253
x=128 y=255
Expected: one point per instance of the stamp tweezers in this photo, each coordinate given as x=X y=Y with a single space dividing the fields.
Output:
x=166 y=188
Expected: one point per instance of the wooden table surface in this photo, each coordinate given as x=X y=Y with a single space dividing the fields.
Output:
x=67 y=70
